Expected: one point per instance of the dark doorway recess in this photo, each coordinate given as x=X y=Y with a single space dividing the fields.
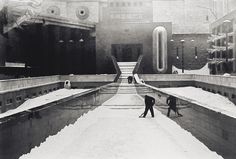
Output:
x=127 y=52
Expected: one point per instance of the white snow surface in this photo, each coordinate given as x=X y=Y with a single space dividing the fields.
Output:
x=115 y=132
x=42 y=100
x=206 y=99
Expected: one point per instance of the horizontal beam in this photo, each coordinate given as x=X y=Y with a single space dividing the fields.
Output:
x=47 y=20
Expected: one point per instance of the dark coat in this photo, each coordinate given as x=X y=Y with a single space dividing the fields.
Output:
x=149 y=101
x=171 y=101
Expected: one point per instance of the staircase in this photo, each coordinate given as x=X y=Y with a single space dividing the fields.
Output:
x=126 y=69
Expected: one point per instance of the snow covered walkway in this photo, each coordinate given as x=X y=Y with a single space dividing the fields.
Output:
x=212 y=101
x=114 y=131
x=42 y=100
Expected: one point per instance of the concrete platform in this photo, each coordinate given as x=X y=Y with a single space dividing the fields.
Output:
x=114 y=131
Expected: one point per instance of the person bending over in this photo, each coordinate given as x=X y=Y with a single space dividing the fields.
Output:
x=149 y=102
x=171 y=101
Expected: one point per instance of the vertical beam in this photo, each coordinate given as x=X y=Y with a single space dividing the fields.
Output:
x=44 y=63
x=3 y=43
x=56 y=50
x=182 y=57
x=234 y=47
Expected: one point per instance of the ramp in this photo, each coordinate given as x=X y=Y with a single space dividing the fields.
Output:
x=114 y=131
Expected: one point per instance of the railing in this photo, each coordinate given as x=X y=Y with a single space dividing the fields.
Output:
x=13 y=84
x=89 y=78
x=118 y=72
x=166 y=77
x=14 y=92
x=136 y=68
x=227 y=81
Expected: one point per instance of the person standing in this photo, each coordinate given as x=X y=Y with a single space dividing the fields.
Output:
x=130 y=79
x=149 y=102
x=171 y=101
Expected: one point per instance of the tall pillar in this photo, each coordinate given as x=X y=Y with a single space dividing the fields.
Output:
x=44 y=64
x=2 y=50
x=234 y=47
x=56 y=51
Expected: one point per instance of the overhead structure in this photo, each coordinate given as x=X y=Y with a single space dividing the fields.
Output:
x=16 y=13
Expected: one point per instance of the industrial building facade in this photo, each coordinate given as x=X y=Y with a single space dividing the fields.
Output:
x=95 y=30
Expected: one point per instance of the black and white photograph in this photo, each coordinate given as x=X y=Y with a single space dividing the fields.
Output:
x=117 y=79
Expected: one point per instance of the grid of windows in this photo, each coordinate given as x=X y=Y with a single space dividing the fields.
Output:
x=126 y=4
x=219 y=56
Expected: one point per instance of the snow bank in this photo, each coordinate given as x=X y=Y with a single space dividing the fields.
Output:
x=107 y=133
x=206 y=99
x=44 y=99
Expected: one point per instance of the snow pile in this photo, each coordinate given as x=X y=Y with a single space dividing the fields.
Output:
x=206 y=99
x=107 y=133
x=44 y=99
x=203 y=71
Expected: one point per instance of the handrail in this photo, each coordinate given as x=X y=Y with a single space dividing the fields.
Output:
x=136 y=68
x=118 y=72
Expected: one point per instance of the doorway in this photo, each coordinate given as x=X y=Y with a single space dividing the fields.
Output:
x=127 y=52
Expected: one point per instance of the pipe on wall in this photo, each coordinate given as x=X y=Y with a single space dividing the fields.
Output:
x=160 y=50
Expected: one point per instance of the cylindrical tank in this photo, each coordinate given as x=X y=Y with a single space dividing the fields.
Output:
x=160 y=49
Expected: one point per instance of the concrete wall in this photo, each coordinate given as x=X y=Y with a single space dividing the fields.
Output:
x=223 y=85
x=55 y=8
x=119 y=22
x=88 y=78
x=93 y=10
x=188 y=20
x=12 y=99
x=212 y=128
x=187 y=16
x=232 y=5
x=14 y=92
x=125 y=33
x=166 y=77
x=226 y=81
x=88 y=81
x=223 y=7
x=69 y=9
x=16 y=84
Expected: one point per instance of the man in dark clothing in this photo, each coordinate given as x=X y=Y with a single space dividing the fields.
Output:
x=149 y=102
x=130 y=79
x=171 y=101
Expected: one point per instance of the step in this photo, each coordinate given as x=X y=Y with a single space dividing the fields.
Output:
x=126 y=63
